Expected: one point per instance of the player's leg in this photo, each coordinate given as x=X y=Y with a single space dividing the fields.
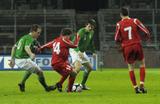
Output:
x=37 y=70
x=133 y=77
x=23 y=64
x=77 y=66
x=64 y=69
x=76 y=61
x=71 y=80
x=86 y=73
x=59 y=84
x=32 y=67
x=88 y=68
x=140 y=57
x=142 y=76
x=22 y=83
x=129 y=54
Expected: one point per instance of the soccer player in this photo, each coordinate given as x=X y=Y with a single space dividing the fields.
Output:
x=23 y=57
x=127 y=34
x=78 y=55
x=60 y=52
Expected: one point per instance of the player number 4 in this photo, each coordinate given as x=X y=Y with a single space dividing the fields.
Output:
x=56 y=47
x=129 y=29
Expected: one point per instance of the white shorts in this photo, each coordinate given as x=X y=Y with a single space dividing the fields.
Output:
x=74 y=56
x=27 y=64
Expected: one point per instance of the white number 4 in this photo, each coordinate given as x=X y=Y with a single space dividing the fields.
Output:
x=129 y=29
x=56 y=47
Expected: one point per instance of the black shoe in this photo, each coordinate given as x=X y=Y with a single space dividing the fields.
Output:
x=50 y=88
x=21 y=87
x=59 y=87
x=84 y=87
x=143 y=90
x=137 y=90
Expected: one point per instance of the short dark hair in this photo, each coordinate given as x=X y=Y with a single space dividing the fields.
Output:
x=35 y=27
x=66 y=31
x=124 y=11
x=92 y=22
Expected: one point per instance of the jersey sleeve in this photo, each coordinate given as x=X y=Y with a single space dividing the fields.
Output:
x=71 y=44
x=91 y=46
x=28 y=42
x=142 y=27
x=48 y=45
x=81 y=32
x=117 y=37
x=16 y=44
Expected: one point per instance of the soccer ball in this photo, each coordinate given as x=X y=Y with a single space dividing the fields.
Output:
x=77 y=87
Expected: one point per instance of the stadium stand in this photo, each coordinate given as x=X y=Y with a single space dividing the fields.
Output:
x=16 y=16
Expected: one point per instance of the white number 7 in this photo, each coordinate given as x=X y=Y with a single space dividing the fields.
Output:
x=129 y=29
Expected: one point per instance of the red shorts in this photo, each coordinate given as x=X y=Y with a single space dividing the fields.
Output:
x=133 y=53
x=63 y=68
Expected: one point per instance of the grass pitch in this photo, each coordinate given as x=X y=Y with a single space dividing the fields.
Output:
x=111 y=86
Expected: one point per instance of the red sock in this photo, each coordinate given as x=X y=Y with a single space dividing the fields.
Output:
x=63 y=78
x=142 y=76
x=70 y=83
x=133 y=78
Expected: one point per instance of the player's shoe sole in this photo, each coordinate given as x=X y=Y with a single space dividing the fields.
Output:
x=21 y=87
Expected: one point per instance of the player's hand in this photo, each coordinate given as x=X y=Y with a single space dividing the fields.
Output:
x=80 y=54
x=148 y=42
x=11 y=63
x=119 y=47
x=39 y=50
x=32 y=56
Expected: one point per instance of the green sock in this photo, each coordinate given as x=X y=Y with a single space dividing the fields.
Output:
x=25 y=77
x=42 y=80
x=85 y=77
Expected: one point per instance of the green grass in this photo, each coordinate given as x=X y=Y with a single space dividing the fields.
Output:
x=108 y=87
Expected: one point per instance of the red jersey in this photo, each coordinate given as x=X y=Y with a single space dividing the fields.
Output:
x=60 y=48
x=127 y=31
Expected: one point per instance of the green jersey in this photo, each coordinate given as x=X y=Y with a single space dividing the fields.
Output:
x=24 y=41
x=85 y=42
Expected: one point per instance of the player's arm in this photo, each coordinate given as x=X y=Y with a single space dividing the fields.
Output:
x=47 y=45
x=71 y=44
x=91 y=46
x=28 y=49
x=117 y=37
x=13 y=51
x=117 y=33
x=142 y=28
x=29 y=52
x=12 y=61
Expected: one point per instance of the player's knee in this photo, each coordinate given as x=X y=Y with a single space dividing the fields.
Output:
x=130 y=67
x=73 y=74
x=142 y=63
x=90 y=69
x=78 y=64
x=38 y=71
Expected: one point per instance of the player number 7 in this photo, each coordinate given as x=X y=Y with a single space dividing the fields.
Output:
x=129 y=29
